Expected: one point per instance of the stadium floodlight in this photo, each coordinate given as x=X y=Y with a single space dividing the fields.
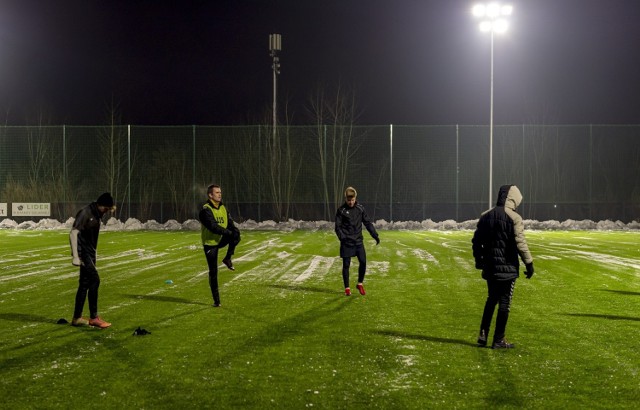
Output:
x=493 y=20
x=275 y=45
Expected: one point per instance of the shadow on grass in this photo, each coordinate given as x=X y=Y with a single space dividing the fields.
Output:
x=622 y=292
x=608 y=317
x=171 y=299
x=305 y=289
x=425 y=338
x=23 y=317
x=280 y=331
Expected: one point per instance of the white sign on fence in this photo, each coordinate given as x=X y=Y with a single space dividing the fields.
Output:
x=3 y=209
x=30 y=209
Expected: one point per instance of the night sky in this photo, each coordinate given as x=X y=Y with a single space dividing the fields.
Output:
x=409 y=61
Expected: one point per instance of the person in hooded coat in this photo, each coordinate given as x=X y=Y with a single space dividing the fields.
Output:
x=498 y=243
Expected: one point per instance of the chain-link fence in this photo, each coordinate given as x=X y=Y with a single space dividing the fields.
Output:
x=299 y=172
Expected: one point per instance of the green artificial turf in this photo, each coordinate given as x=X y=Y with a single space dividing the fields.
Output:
x=287 y=337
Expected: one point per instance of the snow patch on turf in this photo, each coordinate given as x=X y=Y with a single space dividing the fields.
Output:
x=424 y=255
x=16 y=290
x=139 y=253
x=65 y=276
x=378 y=268
x=407 y=360
x=283 y=254
x=252 y=252
x=608 y=260
x=456 y=245
x=23 y=275
x=548 y=257
x=320 y=264
x=464 y=263
x=198 y=275
x=419 y=253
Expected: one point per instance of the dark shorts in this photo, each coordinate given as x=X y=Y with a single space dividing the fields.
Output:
x=349 y=251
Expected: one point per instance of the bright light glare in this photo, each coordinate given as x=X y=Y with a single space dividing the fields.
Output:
x=506 y=10
x=492 y=15
x=493 y=10
x=486 y=26
x=500 y=26
x=479 y=10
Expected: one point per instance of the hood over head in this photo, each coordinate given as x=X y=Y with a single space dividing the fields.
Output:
x=509 y=196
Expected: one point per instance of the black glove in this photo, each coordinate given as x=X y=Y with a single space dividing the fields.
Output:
x=228 y=233
x=377 y=238
x=529 y=272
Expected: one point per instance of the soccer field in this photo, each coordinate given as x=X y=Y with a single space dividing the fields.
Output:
x=287 y=337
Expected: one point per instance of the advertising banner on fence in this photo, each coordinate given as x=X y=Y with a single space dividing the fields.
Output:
x=3 y=210
x=30 y=209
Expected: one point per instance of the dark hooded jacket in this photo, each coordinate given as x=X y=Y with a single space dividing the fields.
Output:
x=499 y=240
x=348 y=226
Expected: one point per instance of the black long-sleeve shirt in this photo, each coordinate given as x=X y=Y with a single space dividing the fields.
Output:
x=87 y=223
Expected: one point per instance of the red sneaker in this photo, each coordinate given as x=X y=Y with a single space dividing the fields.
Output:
x=97 y=322
x=347 y=291
x=361 y=289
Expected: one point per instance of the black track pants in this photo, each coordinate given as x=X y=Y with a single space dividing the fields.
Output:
x=211 y=253
x=88 y=285
x=500 y=293
x=362 y=268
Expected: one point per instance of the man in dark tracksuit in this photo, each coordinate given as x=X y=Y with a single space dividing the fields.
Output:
x=217 y=231
x=84 y=242
x=497 y=243
x=349 y=220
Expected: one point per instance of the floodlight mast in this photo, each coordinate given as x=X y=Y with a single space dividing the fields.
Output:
x=275 y=45
x=493 y=20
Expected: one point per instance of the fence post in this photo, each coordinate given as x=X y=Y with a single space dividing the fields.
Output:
x=64 y=169
x=259 y=172
x=129 y=171
x=522 y=162
x=193 y=171
x=390 y=172
x=457 y=171
x=590 y=171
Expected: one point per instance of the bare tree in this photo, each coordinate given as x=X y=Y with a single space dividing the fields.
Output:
x=283 y=163
x=43 y=170
x=246 y=173
x=334 y=116
x=117 y=157
x=46 y=170
x=172 y=168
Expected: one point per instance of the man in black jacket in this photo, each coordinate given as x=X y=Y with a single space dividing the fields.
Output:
x=498 y=242
x=84 y=242
x=349 y=220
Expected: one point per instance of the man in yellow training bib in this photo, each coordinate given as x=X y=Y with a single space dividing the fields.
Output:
x=218 y=231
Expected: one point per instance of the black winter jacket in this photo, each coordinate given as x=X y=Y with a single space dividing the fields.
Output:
x=349 y=223
x=499 y=238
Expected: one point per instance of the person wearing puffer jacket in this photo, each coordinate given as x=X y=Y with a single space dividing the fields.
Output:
x=498 y=243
